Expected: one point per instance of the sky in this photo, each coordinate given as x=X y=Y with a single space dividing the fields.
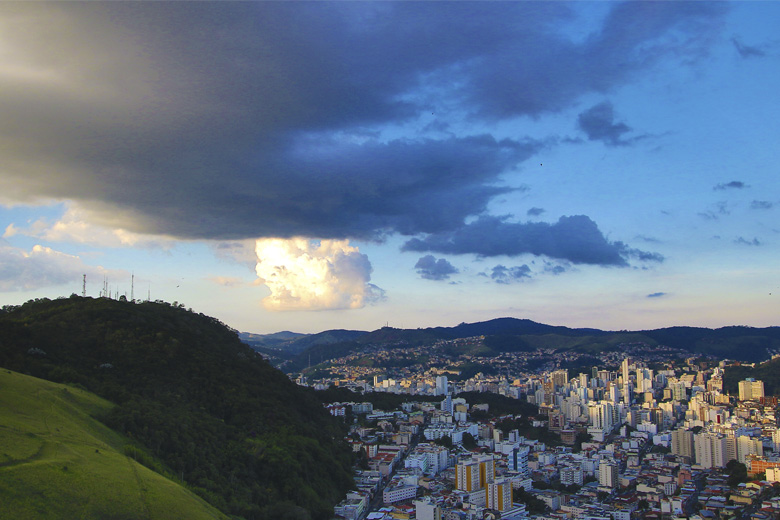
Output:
x=350 y=165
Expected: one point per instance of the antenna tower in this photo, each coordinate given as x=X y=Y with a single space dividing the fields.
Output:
x=132 y=287
x=84 y=286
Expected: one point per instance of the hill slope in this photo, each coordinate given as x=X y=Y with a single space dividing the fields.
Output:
x=58 y=462
x=241 y=434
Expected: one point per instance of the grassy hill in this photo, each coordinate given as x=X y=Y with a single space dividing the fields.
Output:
x=236 y=430
x=58 y=462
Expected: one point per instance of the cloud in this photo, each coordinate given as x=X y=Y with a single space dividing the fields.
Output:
x=239 y=251
x=598 y=122
x=304 y=274
x=431 y=269
x=227 y=281
x=41 y=267
x=738 y=185
x=230 y=121
x=555 y=268
x=746 y=51
x=761 y=204
x=576 y=239
x=535 y=212
x=76 y=225
x=506 y=275
x=657 y=295
x=746 y=242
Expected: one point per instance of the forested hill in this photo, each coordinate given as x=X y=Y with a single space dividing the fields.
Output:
x=238 y=431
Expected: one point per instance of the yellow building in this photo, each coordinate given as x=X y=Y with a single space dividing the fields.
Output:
x=499 y=495
x=475 y=474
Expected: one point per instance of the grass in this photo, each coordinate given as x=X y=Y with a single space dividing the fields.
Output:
x=58 y=462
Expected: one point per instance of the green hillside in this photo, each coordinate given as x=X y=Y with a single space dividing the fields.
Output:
x=57 y=461
x=237 y=431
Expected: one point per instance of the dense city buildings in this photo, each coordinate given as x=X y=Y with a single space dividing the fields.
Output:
x=633 y=437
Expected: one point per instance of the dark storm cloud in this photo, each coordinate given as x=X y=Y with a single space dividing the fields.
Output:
x=535 y=212
x=431 y=269
x=598 y=122
x=576 y=239
x=737 y=185
x=761 y=204
x=237 y=120
x=506 y=275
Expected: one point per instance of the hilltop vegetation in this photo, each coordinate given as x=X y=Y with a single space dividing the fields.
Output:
x=509 y=335
x=58 y=462
x=768 y=372
x=236 y=430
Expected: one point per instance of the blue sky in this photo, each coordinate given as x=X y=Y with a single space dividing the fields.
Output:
x=308 y=166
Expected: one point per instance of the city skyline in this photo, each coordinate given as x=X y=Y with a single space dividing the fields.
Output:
x=296 y=166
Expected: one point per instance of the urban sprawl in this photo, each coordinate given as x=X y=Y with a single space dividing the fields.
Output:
x=630 y=443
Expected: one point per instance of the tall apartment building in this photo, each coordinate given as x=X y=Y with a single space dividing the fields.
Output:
x=518 y=460
x=476 y=473
x=750 y=389
x=748 y=446
x=710 y=450
x=442 y=386
x=608 y=473
x=560 y=378
x=682 y=443
x=499 y=494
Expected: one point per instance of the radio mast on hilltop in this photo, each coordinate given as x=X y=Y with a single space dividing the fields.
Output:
x=84 y=286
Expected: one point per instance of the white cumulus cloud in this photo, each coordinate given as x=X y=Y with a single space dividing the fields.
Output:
x=22 y=270
x=305 y=274
x=78 y=225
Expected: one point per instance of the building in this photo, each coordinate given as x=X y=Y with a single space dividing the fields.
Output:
x=750 y=389
x=475 y=473
x=442 y=386
x=608 y=473
x=499 y=494
x=710 y=450
x=682 y=443
x=398 y=493
x=427 y=510
x=572 y=475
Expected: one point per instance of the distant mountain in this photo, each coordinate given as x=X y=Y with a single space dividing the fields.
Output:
x=515 y=335
x=294 y=343
x=276 y=340
x=236 y=430
x=327 y=337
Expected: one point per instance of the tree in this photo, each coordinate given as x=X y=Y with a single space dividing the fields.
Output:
x=444 y=440
x=468 y=442
x=737 y=473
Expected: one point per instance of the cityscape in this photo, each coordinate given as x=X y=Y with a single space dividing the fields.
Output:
x=389 y=260
x=621 y=443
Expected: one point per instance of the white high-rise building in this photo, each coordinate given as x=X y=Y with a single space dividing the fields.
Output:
x=442 y=386
x=748 y=446
x=600 y=415
x=626 y=372
x=711 y=450
x=608 y=473
x=518 y=460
